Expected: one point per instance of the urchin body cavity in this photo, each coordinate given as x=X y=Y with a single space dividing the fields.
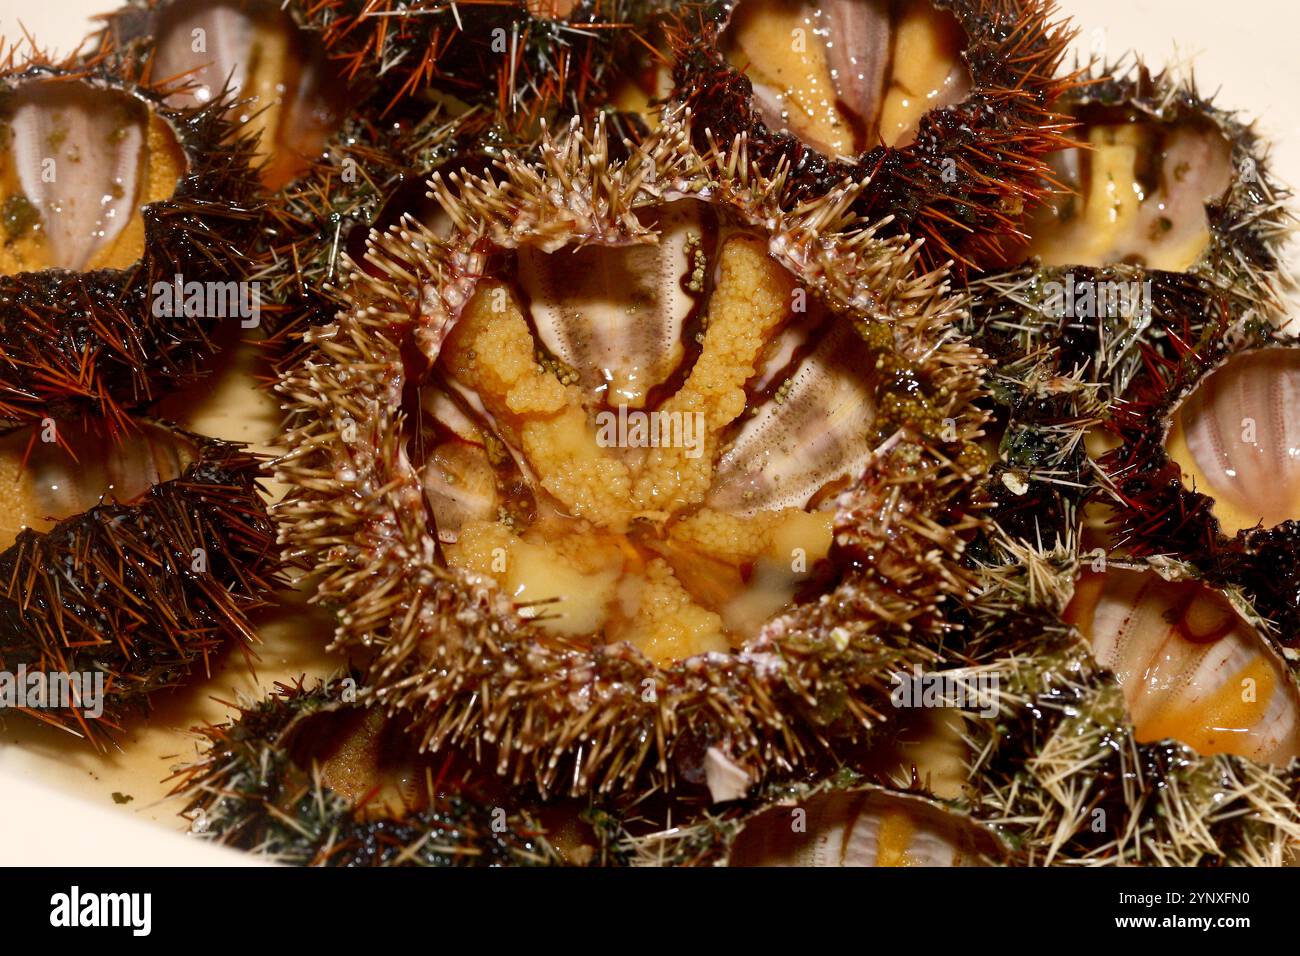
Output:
x=600 y=586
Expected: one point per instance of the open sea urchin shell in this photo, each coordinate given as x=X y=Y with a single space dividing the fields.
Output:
x=288 y=96
x=875 y=829
x=1165 y=189
x=1197 y=487
x=963 y=173
x=1169 y=182
x=83 y=147
x=306 y=779
x=1073 y=786
x=1062 y=772
x=563 y=708
x=1163 y=179
x=145 y=585
x=1192 y=668
x=325 y=156
x=835 y=823
x=1233 y=438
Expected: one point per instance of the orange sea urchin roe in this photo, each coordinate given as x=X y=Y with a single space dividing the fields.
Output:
x=927 y=71
x=769 y=44
x=894 y=840
x=621 y=548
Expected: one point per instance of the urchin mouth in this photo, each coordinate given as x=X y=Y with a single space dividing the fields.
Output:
x=79 y=162
x=847 y=75
x=643 y=443
x=1139 y=191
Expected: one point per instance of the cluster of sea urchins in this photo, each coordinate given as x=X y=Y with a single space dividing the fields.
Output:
x=653 y=449
x=1136 y=546
x=132 y=549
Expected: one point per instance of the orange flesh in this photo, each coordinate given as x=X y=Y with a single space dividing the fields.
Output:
x=362 y=755
x=621 y=547
x=359 y=769
x=928 y=72
x=272 y=81
x=295 y=119
x=764 y=46
x=1219 y=724
x=894 y=838
x=294 y=101
x=353 y=768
